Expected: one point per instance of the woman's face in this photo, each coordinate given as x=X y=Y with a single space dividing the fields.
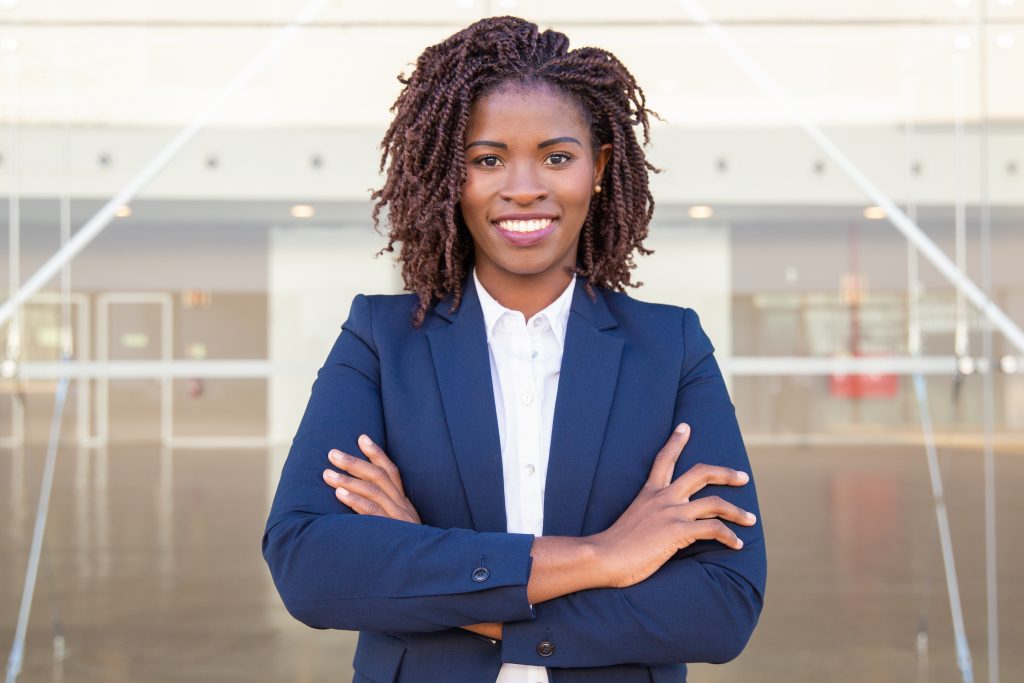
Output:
x=530 y=175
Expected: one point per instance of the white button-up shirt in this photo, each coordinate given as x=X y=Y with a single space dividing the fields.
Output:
x=526 y=358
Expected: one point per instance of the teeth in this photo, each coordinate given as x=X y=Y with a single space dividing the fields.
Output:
x=525 y=226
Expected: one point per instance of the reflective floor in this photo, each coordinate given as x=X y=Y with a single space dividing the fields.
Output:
x=152 y=569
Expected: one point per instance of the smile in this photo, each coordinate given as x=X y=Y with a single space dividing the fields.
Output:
x=525 y=233
x=525 y=226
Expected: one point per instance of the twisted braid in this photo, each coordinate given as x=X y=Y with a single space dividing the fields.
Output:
x=427 y=167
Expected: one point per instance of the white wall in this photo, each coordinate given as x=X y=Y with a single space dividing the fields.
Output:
x=691 y=267
x=313 y=275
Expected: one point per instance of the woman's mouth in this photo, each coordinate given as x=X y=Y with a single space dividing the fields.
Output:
x=525 y=233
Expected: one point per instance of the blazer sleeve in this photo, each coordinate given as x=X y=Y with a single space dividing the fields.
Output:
x=337 y=569
x=700 y=606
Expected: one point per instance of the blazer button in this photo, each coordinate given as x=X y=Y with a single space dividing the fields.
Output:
x=546 y=648
x=480 y=574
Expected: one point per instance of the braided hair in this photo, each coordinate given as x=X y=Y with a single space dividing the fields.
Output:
x=427 y=169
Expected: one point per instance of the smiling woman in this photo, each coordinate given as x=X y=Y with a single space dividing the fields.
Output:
x=531 y=171
x=489 y=480
x=460 y=117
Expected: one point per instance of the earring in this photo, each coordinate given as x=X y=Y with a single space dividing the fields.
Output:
x=597 y=189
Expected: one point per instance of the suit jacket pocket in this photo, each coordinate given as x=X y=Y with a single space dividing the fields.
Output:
x=378 y=657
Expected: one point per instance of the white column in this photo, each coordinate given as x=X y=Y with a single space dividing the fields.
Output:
x=691 y=267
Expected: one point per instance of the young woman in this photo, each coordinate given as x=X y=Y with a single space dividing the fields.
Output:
x=490 y=481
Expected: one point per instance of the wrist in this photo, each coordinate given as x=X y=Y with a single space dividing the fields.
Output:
x=595 y=555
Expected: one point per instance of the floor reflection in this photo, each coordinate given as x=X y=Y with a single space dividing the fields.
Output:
x=152 y=569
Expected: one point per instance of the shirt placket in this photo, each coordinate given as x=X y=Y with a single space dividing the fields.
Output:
x=528 y=404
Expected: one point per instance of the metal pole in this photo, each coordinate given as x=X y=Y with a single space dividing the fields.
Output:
x=987 y=378
x=18 y=648
x=963 y=651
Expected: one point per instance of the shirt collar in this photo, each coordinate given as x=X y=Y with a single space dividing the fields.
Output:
x=557 y=312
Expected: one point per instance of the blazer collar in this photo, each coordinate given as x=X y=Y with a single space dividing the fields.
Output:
x=589 y=372
x=595 y=312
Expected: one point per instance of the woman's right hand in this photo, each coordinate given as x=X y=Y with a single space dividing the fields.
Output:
x=662 y=519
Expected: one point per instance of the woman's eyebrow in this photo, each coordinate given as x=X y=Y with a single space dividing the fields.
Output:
x=487 y=143
x=555 y=141
x=542 y=145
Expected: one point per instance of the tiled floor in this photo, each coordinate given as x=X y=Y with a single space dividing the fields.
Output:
x=152 y=569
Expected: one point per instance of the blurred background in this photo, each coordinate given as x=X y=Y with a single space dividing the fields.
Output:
x=842 y=198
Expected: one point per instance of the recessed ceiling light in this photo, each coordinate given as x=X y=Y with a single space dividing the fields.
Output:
x=123 y=211
x=701 y=211
x=1009 y=364
x=874 y=213
x=303 y=211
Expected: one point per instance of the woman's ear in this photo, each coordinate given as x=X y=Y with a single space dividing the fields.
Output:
x=604 y=153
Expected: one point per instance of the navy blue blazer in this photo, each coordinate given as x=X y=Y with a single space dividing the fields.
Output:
x=630 y=372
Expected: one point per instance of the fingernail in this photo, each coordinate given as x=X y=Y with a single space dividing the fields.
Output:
x=751 y=517
x=331 y=474
x=364 y=440
x=341 y=492
x=334 y=454
x=682 y=428
x=739 y=541
x=744 y=477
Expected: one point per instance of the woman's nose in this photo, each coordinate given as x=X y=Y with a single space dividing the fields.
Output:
x=523 y=186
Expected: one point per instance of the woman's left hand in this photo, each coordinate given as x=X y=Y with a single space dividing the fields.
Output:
x=370 y=488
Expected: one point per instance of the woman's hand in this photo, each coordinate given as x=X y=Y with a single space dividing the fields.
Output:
x=375 y=488
x=370 y=488
x=662 y=519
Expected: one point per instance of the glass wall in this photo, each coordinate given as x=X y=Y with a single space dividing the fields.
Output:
x=186 y=217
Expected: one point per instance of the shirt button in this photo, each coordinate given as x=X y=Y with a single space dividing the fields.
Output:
x=527 y=399
x=538 y=322
x=530 y=469
x=480 y=574
x=546 y=648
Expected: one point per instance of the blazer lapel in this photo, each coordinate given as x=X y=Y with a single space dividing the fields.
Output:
x=586 y=385
x=463 y=367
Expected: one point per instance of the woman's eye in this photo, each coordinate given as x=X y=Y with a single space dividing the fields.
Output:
x=559 y=158
x=489 y=161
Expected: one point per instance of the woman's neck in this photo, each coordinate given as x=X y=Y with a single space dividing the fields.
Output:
x=528 y=294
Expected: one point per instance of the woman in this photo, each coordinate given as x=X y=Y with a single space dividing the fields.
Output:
x=489 y=480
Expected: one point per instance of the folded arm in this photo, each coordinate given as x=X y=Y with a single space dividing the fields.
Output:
x=700 y=606
x=337 y=569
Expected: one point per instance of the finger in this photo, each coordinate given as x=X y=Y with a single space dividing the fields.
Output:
x=379 y=458
x=713 y=530
x=358 y=503
x=701 y=475
x=711 y=507
x=365 y=492
x=665 y=461
x=362 y=469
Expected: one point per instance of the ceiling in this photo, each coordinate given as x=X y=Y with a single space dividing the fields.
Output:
x=157 y=62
